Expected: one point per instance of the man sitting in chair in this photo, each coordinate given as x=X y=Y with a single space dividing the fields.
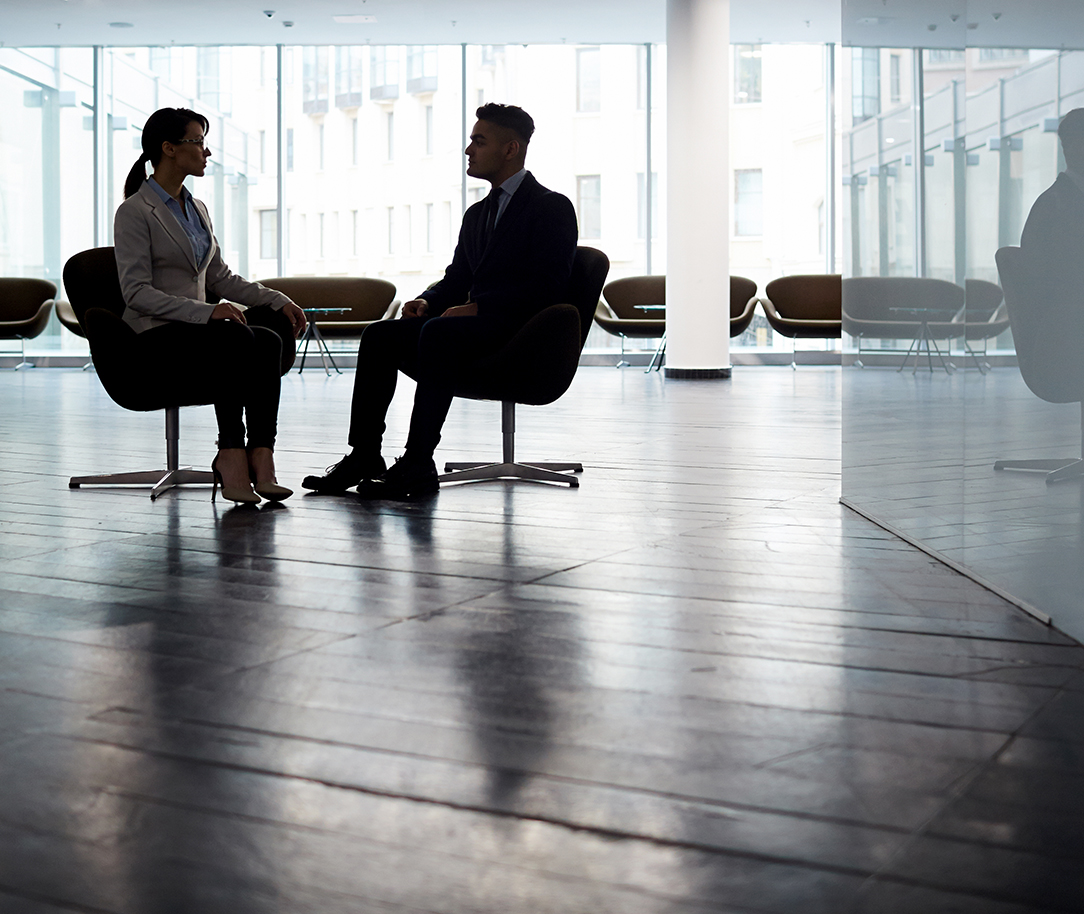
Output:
x=513 y=259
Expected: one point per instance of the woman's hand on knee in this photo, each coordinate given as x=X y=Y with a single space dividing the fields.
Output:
x=228 y=311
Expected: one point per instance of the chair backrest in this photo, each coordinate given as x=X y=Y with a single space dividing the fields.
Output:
x=21 y=297
x=91 y=281
x=874 y=297
x=589 y=269
x=623 y=295
x=741 y=291
x=807 y=296
x=367 y=298
x=1057 y=377
x=983 y=299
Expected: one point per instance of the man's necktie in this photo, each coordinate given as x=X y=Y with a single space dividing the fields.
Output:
x=489 y=212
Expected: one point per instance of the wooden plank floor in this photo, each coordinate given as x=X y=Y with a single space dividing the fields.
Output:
x=697 y=683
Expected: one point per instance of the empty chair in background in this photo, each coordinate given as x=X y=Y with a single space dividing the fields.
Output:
x=634 y=307
x=806 y=307
x=25 y=305
x=902 y=308
x=338 y=307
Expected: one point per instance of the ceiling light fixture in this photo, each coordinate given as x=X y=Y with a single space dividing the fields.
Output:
x=353 y=19
x=121 y=25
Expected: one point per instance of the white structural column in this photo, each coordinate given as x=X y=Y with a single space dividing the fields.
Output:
x=698 y=184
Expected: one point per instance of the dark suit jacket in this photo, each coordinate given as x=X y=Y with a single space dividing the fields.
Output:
x=526 y=265
x=1053 y=239
x=1053 y=247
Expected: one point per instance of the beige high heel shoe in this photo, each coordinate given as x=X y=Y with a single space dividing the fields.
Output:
x=232 y=493
x=272 y=491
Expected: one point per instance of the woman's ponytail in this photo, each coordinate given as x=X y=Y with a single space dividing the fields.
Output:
x=136 y=176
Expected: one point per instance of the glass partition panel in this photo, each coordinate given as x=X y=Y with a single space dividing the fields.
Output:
x=950 y=442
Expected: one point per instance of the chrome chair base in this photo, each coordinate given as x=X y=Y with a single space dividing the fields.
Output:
x=1056 y=470
x=537 y=472
x=159 y=480
x=508 y=468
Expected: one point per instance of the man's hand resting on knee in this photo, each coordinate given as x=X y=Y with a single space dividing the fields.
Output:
x=470 y=309
x=417 y=307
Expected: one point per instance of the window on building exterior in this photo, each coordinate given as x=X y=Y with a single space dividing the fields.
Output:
x=865 y=83
x=747 y=58
x=353 y=141
x=289 y=148
x=589 y=205
x=314 y=80
x=821 y=228
x=429 y=228
x=428 y=130
x=391 y=135
x=263 y=152
x=353 y=233
x=748 y=202
x=894 y=92
x=320 y=145
x=269 y=234
x=588 y=79
x=383 y=72
x=348 y=69
x=1011 y=54
x=641 y=206
x=421 y=68
x=391 y=229
x=944 y=56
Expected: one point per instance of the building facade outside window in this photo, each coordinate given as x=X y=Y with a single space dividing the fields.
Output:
x=421 y=69
x=269 y=234
x=589 y=205
x=748 y=202
x=349 y=65
x=747 y=73
x=383 y=73
x=641 y=206
x=314 y=80
x=894 y=89
x=588 y=79
x=865 y=83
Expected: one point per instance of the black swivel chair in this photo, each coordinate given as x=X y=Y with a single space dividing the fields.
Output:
x=129 y=376
x=535 y=367
x=1054 y=377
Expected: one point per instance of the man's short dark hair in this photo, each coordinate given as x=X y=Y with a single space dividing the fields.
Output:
x=1071 y=128
x=510 y=117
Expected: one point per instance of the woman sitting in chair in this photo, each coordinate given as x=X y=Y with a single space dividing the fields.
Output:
x=169 y=264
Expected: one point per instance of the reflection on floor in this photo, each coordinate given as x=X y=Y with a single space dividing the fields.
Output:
x=919 y=452
x=697 y=683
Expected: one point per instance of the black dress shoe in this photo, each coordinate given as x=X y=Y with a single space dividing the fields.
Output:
x=407 y=478
x=349 y=471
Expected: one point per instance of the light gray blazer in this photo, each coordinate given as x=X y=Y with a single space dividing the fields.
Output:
x=159 y=276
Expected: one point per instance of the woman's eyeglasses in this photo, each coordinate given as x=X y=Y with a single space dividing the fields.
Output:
x=198 y=142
